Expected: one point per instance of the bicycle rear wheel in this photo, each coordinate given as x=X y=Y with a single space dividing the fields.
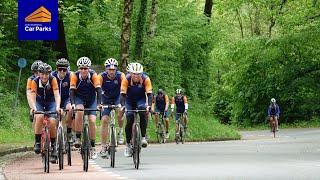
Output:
x=85 y=148
x=112 y=147
x=60 y=148
x=136 y=146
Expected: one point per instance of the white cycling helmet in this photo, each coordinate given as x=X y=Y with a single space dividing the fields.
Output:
x=179 y=91
x=111 y=63
x=135 y=68
x=273 y=100
x=84 y=62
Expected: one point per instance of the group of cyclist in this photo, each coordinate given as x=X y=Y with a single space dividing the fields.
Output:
x=61 y=89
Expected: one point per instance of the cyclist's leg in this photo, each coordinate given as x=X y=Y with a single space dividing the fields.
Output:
x=130 y=121
x=78 y=120
x=276 y=122
x=185 y=121
x=177 y=122
x=92 y=120
x=104 y=127
x=69 y=120
x=143 y=117
x=270 y=122
x=38 y=127
x=128 y=129
x=166 y=120
x=156 y=117
x=120 y=115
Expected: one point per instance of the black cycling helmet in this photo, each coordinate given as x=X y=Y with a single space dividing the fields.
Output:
x=35 y=65
x=62 y=62
x=44 y=68
x=160 y=91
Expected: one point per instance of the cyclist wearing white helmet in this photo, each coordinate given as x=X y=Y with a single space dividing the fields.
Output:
x=181 y=103
x=110 y=81
x=85 y=92
x=134 y=89
x=62 y=74
x=45 y=97
x=274 y=112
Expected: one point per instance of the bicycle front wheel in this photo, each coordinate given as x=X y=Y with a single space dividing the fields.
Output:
x=60 y=148
x=85 y=148
x=47 y=151
x=136 y=146
x=112 y=147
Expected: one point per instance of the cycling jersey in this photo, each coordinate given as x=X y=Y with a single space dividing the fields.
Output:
x=44 y=91
x=64 y=85
x=111 y=87
x=180 y=103
x=136 y=91
x=85 y=88
x=160 y=102
x=273 y=110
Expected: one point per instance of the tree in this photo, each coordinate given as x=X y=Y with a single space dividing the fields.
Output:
x=208 y=9
x=153 y=18
x=140 y=29
x=126 y=33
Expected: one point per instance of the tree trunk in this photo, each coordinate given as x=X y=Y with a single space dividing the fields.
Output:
x=208 y=9
x=273 y=18
x=153 y=18
x=140 y=29
x=256 y=20
x=126 y=33
x=240 y=22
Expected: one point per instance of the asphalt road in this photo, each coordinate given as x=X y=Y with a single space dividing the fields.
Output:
x=293 y=154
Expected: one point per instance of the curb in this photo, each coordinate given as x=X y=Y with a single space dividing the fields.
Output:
x=16 y=150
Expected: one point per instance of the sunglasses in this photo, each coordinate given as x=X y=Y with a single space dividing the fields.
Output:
x=63 y=69
x=82 y=68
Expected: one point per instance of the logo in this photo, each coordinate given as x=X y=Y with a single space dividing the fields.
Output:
x=39 y=15
x=38 y=19
x=65 y=84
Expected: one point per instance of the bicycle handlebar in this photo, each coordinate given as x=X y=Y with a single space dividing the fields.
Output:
x=45 y=112
x=111 y=106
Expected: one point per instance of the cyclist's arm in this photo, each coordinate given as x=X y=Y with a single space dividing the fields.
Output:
x=56 y=93
x=123 y=91
x=96 y=82
x=28 y=92
x=185 y=99
x=73 y=84
x=167 y=102
x=269 y=111
x=32 y=95
x=172 y=104
x=148 y=89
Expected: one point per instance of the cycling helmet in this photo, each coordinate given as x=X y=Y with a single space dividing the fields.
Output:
x=273 y=100
x=35 y=65
x=111 y=63
x=160 y=91
x=179 y=91
x=44 y=68
x=62 y=62
x=84 y=62
x=136 y=68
